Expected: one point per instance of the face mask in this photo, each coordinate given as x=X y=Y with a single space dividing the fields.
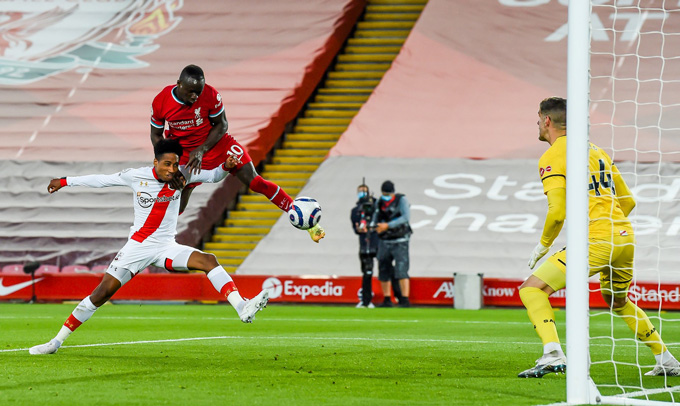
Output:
x=362 y=194
x=386 y=197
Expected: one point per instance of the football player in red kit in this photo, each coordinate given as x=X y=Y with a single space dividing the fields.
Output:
x=194 y=114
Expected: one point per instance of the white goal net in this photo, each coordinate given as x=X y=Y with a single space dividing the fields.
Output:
x=634 y=114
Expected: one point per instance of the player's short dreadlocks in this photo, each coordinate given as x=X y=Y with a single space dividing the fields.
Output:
x=165 y=146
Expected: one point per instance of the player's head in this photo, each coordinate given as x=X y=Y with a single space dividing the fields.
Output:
x=190 y=84
x=552 y=112
x=166 y=161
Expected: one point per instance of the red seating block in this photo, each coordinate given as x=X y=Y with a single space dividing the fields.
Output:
x=75 y=269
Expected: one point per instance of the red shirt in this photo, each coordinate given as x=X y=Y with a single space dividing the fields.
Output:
x=190 y=124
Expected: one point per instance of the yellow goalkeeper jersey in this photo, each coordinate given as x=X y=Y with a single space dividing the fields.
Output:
x=605 y=213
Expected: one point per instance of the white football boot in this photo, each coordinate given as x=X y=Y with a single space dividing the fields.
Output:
x=48 y=348
x=669 y=368
x=253 y=306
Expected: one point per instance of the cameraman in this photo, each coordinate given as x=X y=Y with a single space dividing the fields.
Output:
x=368 y=242
x=391 y=221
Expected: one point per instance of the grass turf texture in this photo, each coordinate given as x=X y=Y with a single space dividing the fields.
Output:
x=293 y=355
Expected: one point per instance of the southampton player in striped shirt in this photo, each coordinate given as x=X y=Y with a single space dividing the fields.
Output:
x=611 y=246
x=194 y=114
x=152 y=236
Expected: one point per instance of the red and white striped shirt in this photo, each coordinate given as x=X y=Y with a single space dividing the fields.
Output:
x=156 y=205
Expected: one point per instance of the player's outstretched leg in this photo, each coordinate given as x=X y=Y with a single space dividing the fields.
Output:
x=246 y=309
x=271 y=191
x=639 y=323
x=82 y=313
x=223 y=283
x=542 y=316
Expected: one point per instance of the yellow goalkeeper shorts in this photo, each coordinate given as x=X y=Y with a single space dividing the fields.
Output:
x=612 y=259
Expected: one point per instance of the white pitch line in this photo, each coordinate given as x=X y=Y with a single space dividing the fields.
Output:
x=418 y=340
x=324 y=338
x=649 y=392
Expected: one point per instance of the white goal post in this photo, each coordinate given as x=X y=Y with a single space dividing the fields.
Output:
x=579 y=385
x=638 y=34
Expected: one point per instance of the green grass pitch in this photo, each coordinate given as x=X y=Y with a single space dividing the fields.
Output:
x=294 y=355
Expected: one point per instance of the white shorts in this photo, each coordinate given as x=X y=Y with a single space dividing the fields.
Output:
x=136 y=256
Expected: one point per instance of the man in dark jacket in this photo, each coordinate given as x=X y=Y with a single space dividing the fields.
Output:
x=391 y=221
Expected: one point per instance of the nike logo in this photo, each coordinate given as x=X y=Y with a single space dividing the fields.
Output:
x=8 y=290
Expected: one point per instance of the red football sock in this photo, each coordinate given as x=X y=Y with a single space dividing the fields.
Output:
x=72 y=323
x=272 y=191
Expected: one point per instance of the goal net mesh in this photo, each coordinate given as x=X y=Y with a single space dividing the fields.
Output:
x=635 y=116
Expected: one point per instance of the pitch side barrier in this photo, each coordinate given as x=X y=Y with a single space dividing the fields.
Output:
x=303 y=289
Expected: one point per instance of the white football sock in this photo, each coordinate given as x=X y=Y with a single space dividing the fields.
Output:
x=219 y=278
x=664 y=357
x=84 y=310
x=81 y=313
x=550 y=347
x=63 y=334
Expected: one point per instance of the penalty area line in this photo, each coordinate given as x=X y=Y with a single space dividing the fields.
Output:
x=175 y=340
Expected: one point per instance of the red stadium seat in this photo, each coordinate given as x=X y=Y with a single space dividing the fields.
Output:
x=43 y=269
x=100 y=268
x=75 y=269
x=13 y=268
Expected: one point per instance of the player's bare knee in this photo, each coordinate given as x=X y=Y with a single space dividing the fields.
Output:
x=247 y=173
x=212 y=261
x=205 y=262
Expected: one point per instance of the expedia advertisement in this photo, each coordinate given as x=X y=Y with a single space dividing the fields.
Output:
x=294 y=289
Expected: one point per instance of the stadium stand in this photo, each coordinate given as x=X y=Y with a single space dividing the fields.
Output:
x=99 y=268
x=13 y=269
x=46 y=269
x=75 y=269
x=77 y=102
x=359 y=66
x=453 y=125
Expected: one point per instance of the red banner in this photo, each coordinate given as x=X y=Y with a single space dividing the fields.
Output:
x=300 y=289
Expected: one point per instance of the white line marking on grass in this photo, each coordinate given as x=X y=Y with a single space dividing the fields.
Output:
x=649 y=392
x=418 y=340
x=641 y=393
x=174 y=340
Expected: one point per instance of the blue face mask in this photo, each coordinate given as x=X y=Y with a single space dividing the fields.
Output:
x=362 y=194
x=386 y=197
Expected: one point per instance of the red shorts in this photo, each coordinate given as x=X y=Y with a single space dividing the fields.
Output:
x=217 y=155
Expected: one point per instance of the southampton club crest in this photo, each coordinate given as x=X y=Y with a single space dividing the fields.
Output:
x=42 y=38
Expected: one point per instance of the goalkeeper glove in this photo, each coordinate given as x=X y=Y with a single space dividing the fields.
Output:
x=538 y=253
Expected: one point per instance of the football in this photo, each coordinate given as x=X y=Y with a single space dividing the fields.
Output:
x=305 y=213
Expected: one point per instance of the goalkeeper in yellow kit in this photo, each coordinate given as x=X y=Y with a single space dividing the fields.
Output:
x=611 y=246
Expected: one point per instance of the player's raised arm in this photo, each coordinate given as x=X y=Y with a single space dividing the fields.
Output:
x=156 y=134
x=95 y=181
x=213 y=175
x=55 y=184
x=218 y=130
x=157 y=120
